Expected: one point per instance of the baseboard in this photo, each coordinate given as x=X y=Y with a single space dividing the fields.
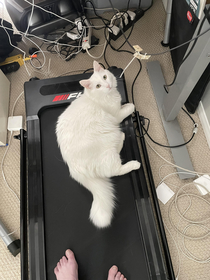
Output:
x=204 y=121
x=164 y=3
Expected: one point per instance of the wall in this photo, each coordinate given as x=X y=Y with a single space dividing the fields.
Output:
x=204 y=113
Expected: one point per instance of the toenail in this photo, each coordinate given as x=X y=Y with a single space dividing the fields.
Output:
x=115 y=267
x=69 y=253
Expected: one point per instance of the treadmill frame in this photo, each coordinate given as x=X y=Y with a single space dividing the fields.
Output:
x=155 y=245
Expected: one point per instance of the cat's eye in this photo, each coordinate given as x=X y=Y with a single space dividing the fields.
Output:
x=98 y=85
x=105 y=77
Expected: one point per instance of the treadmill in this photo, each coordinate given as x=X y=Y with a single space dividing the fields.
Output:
x=55 y=208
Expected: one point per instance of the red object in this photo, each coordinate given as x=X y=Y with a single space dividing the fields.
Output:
x=189 y=16
x=60 y=97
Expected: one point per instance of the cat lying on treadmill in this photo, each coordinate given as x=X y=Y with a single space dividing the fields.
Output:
x=89 y=136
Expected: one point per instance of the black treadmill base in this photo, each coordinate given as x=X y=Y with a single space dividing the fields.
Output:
x=58 y=207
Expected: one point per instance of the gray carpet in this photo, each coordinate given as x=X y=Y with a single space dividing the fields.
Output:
x=190 y=256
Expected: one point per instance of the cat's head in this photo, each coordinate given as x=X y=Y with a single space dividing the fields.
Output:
x=101 y=81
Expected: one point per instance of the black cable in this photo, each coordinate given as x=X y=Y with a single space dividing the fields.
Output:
x=128 y=4
x=179 y=46
x=175 y=146
x=165 y=146
x=121 y=28
x=91 y=69
x=139 y=5
x=187 y=55
x=143 y=120
x=189 y=115
x=100 y=17
x=106 y=49
x=109 y=43
x=149 y=6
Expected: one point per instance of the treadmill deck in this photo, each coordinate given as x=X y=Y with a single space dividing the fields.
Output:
x=58 y=207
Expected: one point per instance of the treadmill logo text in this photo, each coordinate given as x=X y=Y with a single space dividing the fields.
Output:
x=67 y=96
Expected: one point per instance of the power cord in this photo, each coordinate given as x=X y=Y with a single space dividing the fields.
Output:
x=142 y=119
x=191 y=223
x=189 y=52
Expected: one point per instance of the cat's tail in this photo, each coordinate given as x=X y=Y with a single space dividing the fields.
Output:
x=102 y=208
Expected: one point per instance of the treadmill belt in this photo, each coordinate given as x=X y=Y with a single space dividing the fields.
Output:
x=66 y=212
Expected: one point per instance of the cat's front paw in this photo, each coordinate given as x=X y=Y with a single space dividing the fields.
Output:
x=129 y=107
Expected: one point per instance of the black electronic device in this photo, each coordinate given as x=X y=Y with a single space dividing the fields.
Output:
x=12 y=245
x=42 y=20
x=58 y=207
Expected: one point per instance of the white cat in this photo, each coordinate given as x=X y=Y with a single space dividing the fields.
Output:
x=90 y=141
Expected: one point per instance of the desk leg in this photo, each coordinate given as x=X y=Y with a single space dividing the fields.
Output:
x=172 y=129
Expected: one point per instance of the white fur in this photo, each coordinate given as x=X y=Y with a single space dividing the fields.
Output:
x=90 y=141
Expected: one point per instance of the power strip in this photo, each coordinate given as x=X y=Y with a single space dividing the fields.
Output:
x=94 y=41
x=133 y=17
x=86 y=41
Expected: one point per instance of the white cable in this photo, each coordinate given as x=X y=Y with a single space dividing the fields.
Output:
x=32 y=11
x=9 y=142
x=172 y=164
x=174 y=173
x=127 y=66
x=24 y=53
x=184 y=218
x=193 y=257
x=40 y=51
x=2 y=163
x=191 y=223
x=49 y=12
x=37 y=37
x=97 y=57
x=2 y=169
x=195 y=195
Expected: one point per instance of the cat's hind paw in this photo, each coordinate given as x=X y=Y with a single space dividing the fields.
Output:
x=136 y=164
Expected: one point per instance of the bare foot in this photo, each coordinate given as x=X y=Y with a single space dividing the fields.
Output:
x=114 y=274
x=67 y=268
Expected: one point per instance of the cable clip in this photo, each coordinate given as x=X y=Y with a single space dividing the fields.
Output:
x=138 y=55
x=195 y=130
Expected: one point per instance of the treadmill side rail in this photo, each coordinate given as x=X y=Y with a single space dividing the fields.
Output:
x=35 y=207
x=23 y=207
x=147 y=224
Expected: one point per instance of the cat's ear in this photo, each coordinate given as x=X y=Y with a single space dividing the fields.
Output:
x=96 y=66
x=85 y=83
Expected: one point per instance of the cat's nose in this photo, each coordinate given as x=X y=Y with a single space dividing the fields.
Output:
x=108 y=86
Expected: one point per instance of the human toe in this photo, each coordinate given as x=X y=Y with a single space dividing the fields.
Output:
x=118 y=276
x=112 y=272
x=69 y=254
x=63 y=261
x=56 y=270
